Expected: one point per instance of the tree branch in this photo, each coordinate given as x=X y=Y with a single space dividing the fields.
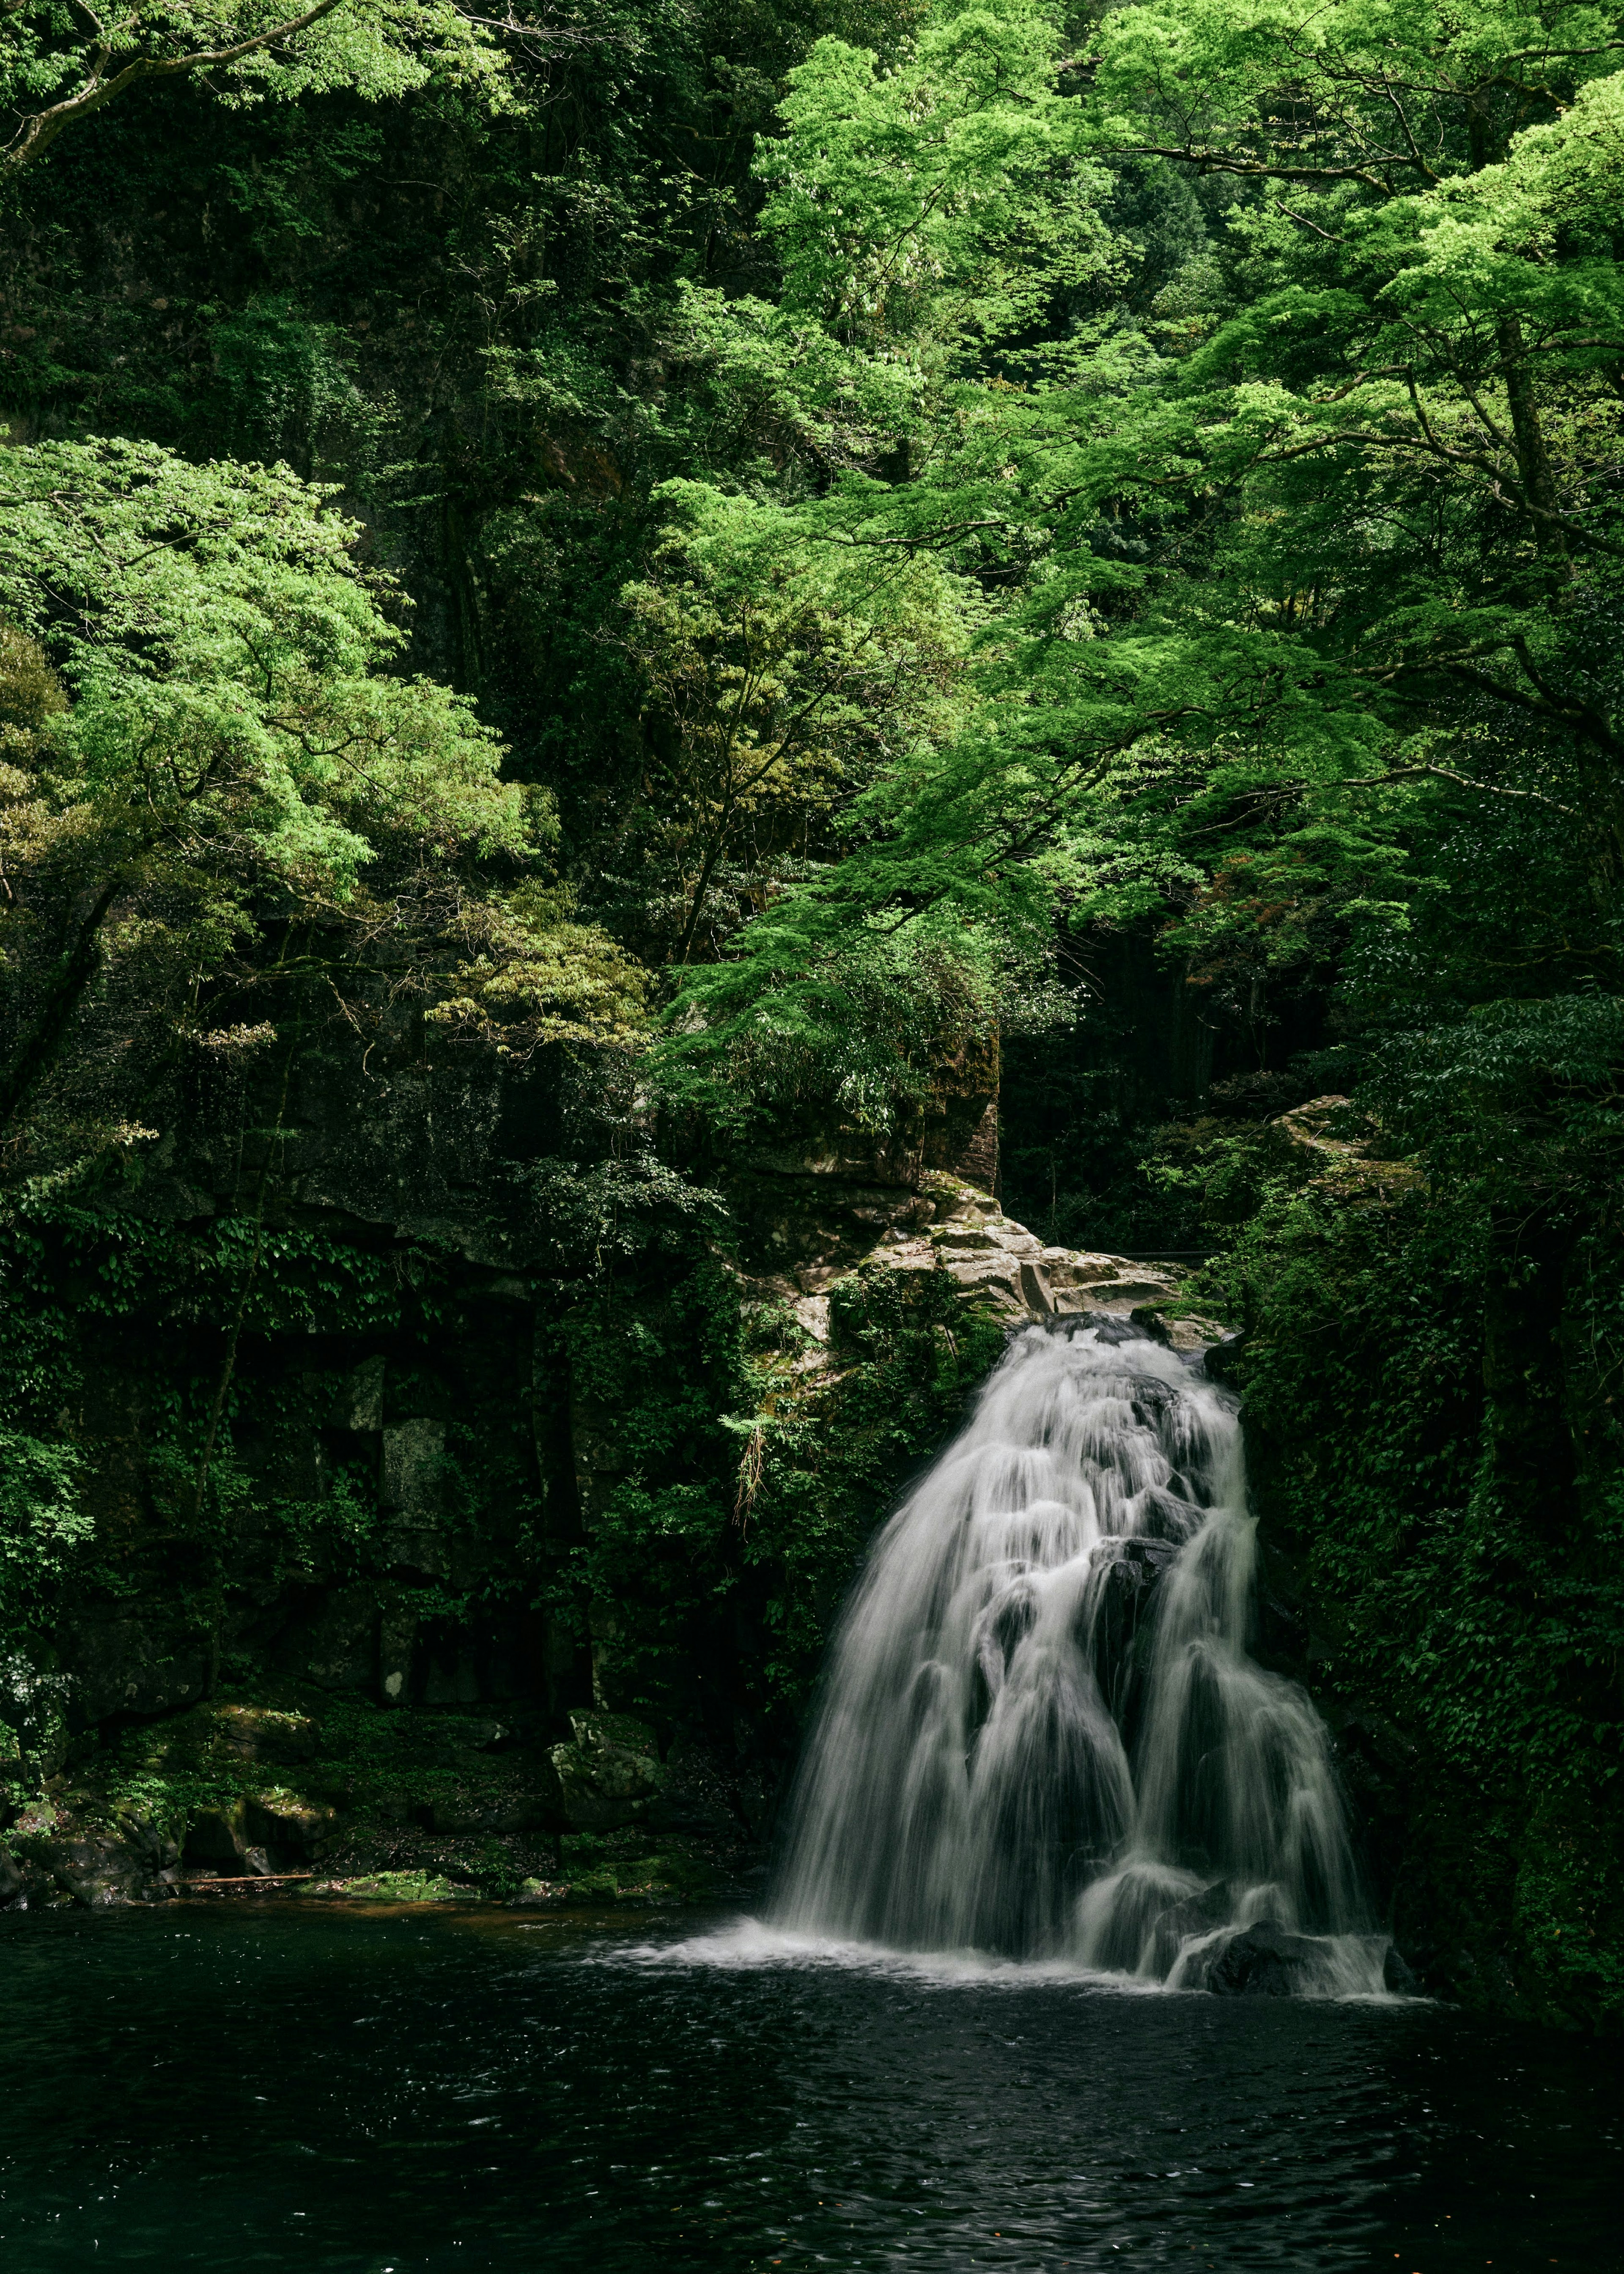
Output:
x=38 y=132
x=1447 y=774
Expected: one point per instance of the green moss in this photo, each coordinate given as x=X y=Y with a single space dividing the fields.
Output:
x=687 y=1876
x=599 y=1886
x=405 y=1887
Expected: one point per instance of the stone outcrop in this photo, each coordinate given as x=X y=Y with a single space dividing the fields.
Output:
x=944 y=1223
x=423 y=1452
x=993 y=1257
x=1266 y=1962
x=608 y=1772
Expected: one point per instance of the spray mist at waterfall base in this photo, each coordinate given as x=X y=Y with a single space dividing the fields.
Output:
x=1042 y=1738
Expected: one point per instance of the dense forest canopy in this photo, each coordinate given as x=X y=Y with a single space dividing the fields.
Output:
x=729 y=551
x=994 y=475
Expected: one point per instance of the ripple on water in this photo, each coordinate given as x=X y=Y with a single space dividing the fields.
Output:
x=324 y=2092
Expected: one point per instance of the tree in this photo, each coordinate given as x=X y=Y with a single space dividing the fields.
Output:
x=935 y=199
x=60 y=61
x=227 y=755
x=785 y=672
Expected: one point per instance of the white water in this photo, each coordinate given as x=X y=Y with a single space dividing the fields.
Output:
x=1041 y=1735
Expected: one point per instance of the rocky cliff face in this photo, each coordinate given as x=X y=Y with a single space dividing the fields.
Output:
x=947 y=1225
x=345 y=1645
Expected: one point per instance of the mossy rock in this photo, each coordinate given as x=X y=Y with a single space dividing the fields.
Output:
x=602 y=1886
x=220 y=1735
x=405 y=1887
x=608 y=1773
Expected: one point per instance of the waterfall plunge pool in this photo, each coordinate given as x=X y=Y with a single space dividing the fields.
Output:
x=1047 y=1792
x=303 y=2088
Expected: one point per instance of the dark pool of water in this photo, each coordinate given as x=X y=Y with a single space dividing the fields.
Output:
x=309 y=2089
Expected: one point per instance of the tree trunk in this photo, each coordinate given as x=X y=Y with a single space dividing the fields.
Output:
x=1528 y=433
x=63 y=993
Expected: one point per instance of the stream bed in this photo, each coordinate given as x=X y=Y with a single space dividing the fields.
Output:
x=303 y=2087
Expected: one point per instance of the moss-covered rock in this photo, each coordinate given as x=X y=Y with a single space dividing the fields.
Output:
x=608 y=1772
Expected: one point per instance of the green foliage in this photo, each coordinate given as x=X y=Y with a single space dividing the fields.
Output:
x=939 y=195
x=740 y=1486
x=926 y=526
x=1459 y=1575
x=84 y=1291
x=211 y=624
x=236 y=753
x=70 y=66
x=828 y=1459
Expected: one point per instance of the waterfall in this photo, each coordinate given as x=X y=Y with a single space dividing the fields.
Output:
x=1041 y=1733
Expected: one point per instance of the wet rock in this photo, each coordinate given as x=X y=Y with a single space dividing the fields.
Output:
x=534 y=1894
x=289 y=1828
x=1265 y=1962
x=1126 y=1600
x=1185 y=1335
x=1224 y=1361
x=11 y=1876
x=1397 y=1975
x=100 y=1874
x=137 y=1832
x=608 y=1773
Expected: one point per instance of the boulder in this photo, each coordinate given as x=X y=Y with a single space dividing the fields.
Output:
x=219 y=1837
x=998 y=1261
x=228 y=1734
x=1397 y=1975
x=99 y=1873
x=291 y=1830
x=608 y=1773
x=1126 y=1601
x=260 y=1733
x=1265 y=1960
x=1183 y=1335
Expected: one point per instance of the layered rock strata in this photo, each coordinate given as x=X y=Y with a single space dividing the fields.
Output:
x=949 y=1224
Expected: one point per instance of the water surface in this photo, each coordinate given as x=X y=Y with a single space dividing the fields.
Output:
x=311 y=2088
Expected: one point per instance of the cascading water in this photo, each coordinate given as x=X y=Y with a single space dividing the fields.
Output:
x=1041 y=1733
